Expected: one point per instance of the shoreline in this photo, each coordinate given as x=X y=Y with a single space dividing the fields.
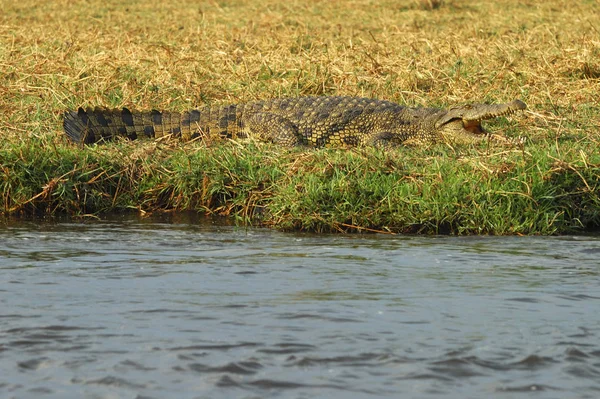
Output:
x=434 y=190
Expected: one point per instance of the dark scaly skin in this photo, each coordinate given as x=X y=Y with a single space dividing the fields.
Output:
x=309 y=121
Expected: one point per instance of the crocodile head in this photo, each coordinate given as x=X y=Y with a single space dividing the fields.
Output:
x=462 y=125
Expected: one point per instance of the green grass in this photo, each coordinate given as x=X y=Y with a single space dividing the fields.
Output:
x=178 y=55
x=435 y=190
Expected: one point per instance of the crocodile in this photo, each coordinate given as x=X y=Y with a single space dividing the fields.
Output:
x=308 y=121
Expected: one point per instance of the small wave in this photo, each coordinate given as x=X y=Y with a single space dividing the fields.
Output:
x=360 y=360
x=216 y=346
x=50 y=328
x=533 y=362
x=270 y=384
x=130 y=364
x=583 y=371
x=528 y=388
x=296 y=316
x=456 y=367
x=242 y=368
x=115 y=382
x=287 y=348
x=576 y=354
x=524 y=299
x=34 y=364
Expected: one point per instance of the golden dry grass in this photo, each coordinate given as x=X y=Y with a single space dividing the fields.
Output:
x=180 y=54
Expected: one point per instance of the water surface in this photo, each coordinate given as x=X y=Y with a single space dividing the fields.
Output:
x=155 y=308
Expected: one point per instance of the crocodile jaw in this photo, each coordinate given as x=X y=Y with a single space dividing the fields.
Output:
x=462 y=125
x=473 y=127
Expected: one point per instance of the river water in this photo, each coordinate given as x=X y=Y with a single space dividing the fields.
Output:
x=154 y=308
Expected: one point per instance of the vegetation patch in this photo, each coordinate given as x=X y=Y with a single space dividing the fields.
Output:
x=177 y=56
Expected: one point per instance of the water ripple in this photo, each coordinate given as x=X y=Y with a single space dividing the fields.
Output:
x=242 y=368
x=287 y=348
x=140 y=308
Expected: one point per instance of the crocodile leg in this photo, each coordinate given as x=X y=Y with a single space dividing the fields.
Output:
x=265 y=126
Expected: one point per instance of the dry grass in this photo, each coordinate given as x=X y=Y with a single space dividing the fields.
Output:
x=175 y=55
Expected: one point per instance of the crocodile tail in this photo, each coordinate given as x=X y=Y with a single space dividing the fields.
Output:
x=91 y=126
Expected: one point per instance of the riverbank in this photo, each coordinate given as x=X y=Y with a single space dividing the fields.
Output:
x=177 y=56
x=539 y=189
